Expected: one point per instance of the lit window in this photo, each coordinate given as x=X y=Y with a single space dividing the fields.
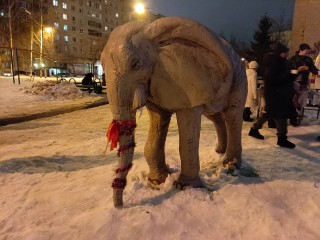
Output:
x=64 y=5
x=2 y=14
x=106 y=28
x=66 y=38
x=56 y=25
x=65 y=27
x=117 y=15
x=55 y=2
x=65 y=16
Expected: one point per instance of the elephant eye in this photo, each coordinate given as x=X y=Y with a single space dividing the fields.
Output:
x=135 y=64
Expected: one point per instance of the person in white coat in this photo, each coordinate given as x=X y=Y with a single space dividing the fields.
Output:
x=252 y=97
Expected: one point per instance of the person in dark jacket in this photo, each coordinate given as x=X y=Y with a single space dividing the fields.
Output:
x=278 y=91
x=87 y=79
x=302 y=63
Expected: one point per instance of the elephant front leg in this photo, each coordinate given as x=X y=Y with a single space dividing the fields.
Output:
x=154 y=150
x=189 y=124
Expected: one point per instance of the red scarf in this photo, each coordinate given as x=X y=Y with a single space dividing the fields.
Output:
x=118 y=128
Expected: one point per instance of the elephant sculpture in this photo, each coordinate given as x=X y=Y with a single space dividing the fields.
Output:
x=172 y=65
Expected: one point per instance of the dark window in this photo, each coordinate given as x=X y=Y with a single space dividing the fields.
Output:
x=94 y=24
x=94 y=33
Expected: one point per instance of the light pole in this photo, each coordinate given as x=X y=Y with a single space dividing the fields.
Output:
x=40 y=40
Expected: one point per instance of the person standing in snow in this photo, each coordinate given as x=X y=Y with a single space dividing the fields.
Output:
x=251 y=102
x=304 y=64
x=278 y=82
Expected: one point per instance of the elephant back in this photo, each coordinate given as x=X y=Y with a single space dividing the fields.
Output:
x=192 y=64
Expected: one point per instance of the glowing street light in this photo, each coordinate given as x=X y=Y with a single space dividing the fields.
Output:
x=48 y=30
x=139 y=8
x=43 y=29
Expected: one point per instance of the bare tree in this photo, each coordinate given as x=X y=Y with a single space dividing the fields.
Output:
x=280 y=29
x=14 y=28
x=239 y=46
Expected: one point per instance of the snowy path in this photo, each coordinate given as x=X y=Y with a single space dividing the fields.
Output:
x=55 y=184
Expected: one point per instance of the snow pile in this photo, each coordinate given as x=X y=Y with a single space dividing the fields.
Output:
x=52 y=90
x=39 y=88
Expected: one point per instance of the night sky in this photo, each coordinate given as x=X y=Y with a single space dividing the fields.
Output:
x=226 y=17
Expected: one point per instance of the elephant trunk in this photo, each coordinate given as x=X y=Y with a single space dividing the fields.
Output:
x=122 y=132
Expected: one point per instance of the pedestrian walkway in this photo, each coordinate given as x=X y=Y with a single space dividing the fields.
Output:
x=17 y=106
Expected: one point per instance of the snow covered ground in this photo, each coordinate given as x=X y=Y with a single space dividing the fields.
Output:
x=55 y=181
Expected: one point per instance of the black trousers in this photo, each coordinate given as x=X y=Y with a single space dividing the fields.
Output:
x=281 y=124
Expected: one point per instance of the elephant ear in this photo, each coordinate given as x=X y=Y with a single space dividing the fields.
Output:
x=192 y=65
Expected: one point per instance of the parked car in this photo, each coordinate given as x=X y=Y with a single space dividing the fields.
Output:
x=7 y=73
x=21 y=72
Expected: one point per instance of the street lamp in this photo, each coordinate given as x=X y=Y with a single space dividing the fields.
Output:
x=141 y=12
x=48 y=30
x=40 y=40
x=137 y=11
x=139 y=8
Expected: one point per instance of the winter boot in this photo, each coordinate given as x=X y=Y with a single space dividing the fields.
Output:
x=246 y=115
x=283 y=142
x=293 y=116
x=255 y=133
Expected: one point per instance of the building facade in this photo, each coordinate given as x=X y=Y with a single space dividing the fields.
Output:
x=78 y=32
x=305 y=28
x=81 y=29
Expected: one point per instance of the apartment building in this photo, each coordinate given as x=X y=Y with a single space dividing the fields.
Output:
x=81 y=29
x=77 y=32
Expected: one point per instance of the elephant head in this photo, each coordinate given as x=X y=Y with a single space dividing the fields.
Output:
x=174 y=63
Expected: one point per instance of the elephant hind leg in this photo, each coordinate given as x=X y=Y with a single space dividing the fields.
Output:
x=221 y=130
x=232 y=157
x=154 y=150
x=189 y=125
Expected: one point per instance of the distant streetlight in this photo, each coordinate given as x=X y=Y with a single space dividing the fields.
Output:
x=47 y=29
x=139 y=8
